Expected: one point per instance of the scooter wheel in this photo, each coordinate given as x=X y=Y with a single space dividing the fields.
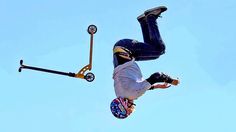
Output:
x=89 y=77
x=92 y=29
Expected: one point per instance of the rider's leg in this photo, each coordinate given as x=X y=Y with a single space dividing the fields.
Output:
x=153 y=45
x=154 y=34
x=144 y=27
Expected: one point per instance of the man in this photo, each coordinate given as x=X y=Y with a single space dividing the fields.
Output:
x=128 y=81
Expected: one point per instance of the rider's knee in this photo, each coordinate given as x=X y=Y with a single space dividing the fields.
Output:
x=161 y=48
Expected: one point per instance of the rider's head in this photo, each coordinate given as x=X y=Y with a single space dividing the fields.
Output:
x=122 y=107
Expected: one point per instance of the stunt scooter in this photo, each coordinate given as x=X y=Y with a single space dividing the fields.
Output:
x=89 y=76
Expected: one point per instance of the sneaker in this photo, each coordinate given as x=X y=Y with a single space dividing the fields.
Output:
x=153 y=11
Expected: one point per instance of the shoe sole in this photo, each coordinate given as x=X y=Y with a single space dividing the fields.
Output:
x=162 y=8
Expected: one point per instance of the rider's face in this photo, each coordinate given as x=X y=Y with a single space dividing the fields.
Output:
x=130 y=107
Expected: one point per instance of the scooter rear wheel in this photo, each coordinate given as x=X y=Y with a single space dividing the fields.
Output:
x=92 y=29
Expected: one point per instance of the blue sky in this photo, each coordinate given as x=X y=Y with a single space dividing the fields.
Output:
x=199 y=37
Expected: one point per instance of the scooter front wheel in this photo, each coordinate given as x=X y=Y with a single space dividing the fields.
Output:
x=89 y=77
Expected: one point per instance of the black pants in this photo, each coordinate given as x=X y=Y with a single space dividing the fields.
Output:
x=150 y=49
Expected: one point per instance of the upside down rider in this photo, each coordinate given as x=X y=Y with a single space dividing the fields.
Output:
x=129 y=84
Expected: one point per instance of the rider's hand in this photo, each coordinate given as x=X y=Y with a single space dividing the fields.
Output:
x=162 y=86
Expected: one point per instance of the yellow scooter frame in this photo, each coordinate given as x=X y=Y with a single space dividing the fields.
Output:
x=92 y=29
